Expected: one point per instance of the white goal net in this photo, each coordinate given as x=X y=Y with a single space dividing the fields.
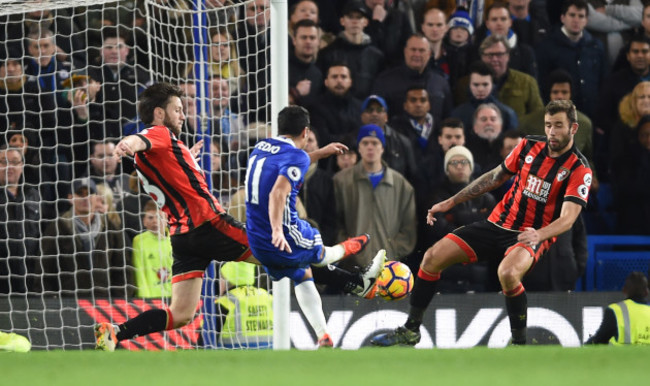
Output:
x=79 y=241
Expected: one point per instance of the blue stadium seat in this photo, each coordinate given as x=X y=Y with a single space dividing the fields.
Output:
x=613 y=267
x=612 y=258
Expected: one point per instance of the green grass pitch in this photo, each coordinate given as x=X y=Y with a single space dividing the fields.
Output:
x=521 y=366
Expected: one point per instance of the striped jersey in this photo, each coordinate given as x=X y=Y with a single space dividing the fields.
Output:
x=541 y=184
x=271 y=158
x=175 y=181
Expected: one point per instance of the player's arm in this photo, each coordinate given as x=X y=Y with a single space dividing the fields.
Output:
x=485 y=183
x=277 y=200
x=129 y=146
x=330 y=149
x=568 y=215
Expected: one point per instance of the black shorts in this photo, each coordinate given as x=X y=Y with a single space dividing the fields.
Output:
x=222 y=238
x=485 y=241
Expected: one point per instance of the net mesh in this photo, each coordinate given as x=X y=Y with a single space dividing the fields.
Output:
x=77 y=243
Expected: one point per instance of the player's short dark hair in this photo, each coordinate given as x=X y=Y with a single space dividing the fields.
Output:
x=562 y=106
x=292 y=120
x=579 y=4
x=453 y=123
x=483 y=69
x=636 y=285
x=560 y=75
x=156 y=95
x=306 y=23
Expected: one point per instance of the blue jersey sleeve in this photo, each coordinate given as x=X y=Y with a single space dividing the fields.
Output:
x=295 y=166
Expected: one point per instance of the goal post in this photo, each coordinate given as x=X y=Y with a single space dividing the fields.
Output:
x=280 y=98
x=59 y=275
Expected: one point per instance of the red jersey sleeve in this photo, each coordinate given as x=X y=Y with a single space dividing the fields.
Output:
x=579 y=185
x=156 y=138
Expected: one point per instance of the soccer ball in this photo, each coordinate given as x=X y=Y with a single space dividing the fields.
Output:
x=395 y=281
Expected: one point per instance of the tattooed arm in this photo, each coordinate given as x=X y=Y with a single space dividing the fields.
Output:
x=485 y=183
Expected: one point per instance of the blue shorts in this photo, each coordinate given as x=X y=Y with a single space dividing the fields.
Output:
x=306 y=246
x=293 y=265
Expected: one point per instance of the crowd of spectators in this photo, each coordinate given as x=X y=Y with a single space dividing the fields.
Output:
x=417 y=78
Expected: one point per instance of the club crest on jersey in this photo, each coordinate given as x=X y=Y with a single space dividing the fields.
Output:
x=562 y=174
x=537 y=188
x=529 y=159
x=294 y=173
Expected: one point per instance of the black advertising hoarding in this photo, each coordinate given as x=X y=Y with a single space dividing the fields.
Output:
x=452 y=321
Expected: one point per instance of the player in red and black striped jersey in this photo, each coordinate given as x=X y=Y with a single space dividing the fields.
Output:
x=551 y=186
x=200 y=228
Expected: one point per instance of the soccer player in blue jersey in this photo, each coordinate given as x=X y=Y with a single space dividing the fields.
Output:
x=286 y=245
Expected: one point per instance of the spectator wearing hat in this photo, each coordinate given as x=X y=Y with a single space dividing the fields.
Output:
x=83 y=252
x=463 y=35
x=458 y=166
x=458 y=45
x=336 y=114
x=388 y=28
x=398 y=151
x=354 y=47
x=393 y=83
x=373 y=198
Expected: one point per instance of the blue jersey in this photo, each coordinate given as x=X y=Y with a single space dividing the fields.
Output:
x=271 y=158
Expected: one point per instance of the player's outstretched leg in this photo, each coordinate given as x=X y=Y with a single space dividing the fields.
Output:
x=370 y=275
x=425 y=287
x=349 y=247
x=108 y=335
x=441 y=255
